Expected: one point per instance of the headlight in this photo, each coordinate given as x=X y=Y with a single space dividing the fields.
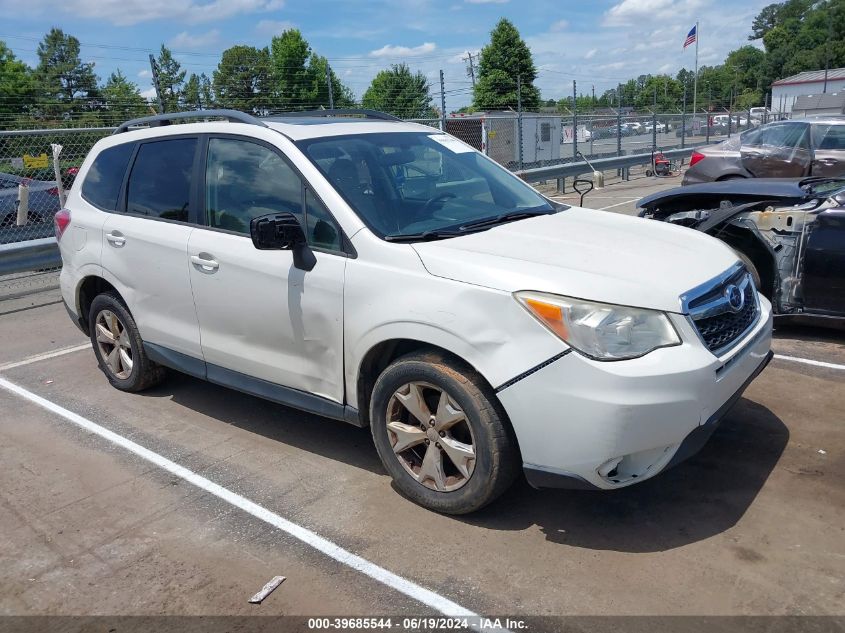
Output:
x=601 y=331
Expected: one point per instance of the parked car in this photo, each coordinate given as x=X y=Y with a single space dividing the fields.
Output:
x=784 y=149
x=43 y=204
x=388 y=275
x=789 y=233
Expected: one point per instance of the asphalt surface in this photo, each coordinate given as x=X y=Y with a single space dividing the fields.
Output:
x=753 y=525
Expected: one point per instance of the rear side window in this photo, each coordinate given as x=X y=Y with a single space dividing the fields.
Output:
x=102 y=183
x=830 y=137
x=160 y=182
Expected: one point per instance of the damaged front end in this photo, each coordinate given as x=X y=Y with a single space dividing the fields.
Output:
x=771 y=236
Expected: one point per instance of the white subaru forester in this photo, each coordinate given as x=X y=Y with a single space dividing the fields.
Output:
x=389 y=275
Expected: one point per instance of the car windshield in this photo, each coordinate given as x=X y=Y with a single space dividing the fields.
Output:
x=426 y=184
x=824 y=187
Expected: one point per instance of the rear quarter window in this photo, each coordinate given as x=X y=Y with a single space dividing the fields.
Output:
x=103 y=180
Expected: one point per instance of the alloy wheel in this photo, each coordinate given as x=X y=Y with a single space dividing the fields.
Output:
x=431 y=436
x=113 y=342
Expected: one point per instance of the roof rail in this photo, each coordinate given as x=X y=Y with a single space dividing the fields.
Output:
x=164 y=119
x=367 y=114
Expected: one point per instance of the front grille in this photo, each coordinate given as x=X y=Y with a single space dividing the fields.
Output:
x=721 y=330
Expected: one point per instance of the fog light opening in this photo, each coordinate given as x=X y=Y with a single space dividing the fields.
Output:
x=620 y=470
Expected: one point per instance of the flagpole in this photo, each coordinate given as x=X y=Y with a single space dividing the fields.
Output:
x=695 y=79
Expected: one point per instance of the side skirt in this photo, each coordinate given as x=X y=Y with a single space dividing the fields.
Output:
x=253 y=386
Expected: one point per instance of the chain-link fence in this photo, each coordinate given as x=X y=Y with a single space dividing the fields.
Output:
x=32 y=182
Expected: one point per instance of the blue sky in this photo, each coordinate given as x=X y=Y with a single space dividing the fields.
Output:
x=597 y=43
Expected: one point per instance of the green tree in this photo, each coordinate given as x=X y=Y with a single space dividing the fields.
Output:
x=504 y=59
x=122 y=98
x=242 y=79
x=400 y=92
x=197 y=93
x=170 y=79
x=18 y=84
x=61 y=74
x=318 y=93
x=289 y=53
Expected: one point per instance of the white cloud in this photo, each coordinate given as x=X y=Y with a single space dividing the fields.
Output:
x=145 y=72
x=186 y=41
x=403 y=51
x=270 y=28
x=633 y=12
x=150 y=93
x=591 y=53
x=560 y=25
x=129 y=12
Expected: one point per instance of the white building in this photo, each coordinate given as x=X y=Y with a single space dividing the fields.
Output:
x=811 y=82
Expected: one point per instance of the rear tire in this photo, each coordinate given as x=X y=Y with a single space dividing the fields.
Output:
x=118 y=346
x=459 y=451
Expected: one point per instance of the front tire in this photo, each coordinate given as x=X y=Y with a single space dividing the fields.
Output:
x=118 y=346
x=442 y=434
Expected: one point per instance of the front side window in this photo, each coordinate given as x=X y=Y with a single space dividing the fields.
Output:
x=244 y=180
x=160 y=182
x=407 y=183
x=784 y=135
x=105 y=176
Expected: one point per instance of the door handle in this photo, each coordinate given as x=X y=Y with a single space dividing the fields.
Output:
x=205 y=263
x=115 y=238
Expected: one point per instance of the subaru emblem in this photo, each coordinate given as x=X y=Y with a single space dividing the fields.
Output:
x=736 y=300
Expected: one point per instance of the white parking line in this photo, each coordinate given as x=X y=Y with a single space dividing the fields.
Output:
x=312 y=539
x=808 y=361
x=618 y=204
x=45 y=356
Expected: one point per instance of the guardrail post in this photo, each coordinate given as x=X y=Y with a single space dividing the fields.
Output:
x=561 y=185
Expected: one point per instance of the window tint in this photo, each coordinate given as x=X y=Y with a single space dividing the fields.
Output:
x=160 y=182
x=245 y=180
x=102 y=184
x=321 y=229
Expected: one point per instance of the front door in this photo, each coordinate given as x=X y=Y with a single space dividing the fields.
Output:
x=145 y=244
x=780 y=150
x=258 y=314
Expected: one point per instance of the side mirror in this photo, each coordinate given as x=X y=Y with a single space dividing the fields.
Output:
x=282 y=232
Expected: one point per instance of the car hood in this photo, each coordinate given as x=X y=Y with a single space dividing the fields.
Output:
x=765 y=188
x=584 y=253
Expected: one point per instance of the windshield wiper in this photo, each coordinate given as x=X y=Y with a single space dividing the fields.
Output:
x=511 y=216
x=425 y=236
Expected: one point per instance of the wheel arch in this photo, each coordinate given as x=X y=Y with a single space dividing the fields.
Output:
x=86 y=291
x=746 y=241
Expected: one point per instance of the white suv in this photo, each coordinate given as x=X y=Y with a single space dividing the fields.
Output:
x=388 y=275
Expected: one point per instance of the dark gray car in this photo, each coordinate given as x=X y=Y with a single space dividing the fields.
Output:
x=784 y=149
x=43 y=204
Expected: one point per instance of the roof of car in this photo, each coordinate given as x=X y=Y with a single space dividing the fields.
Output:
x=298 y=129
x=295 y=125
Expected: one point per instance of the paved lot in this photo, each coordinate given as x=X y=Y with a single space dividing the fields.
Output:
x=755 y=524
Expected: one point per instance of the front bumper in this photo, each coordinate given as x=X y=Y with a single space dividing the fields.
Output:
x=587 y=424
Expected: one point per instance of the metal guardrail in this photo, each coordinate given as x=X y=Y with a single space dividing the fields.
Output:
x=571 y=170
x=39 y=254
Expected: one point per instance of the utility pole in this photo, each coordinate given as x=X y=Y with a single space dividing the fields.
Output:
x=156 y=85
x=442 y=103
x=329 y=84
x=471 y=67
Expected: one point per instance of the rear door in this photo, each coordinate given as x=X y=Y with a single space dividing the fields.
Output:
x=824 y=264
x=144 y=253
x=829 y=150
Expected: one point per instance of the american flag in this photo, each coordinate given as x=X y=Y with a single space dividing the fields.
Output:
x=691 y=36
